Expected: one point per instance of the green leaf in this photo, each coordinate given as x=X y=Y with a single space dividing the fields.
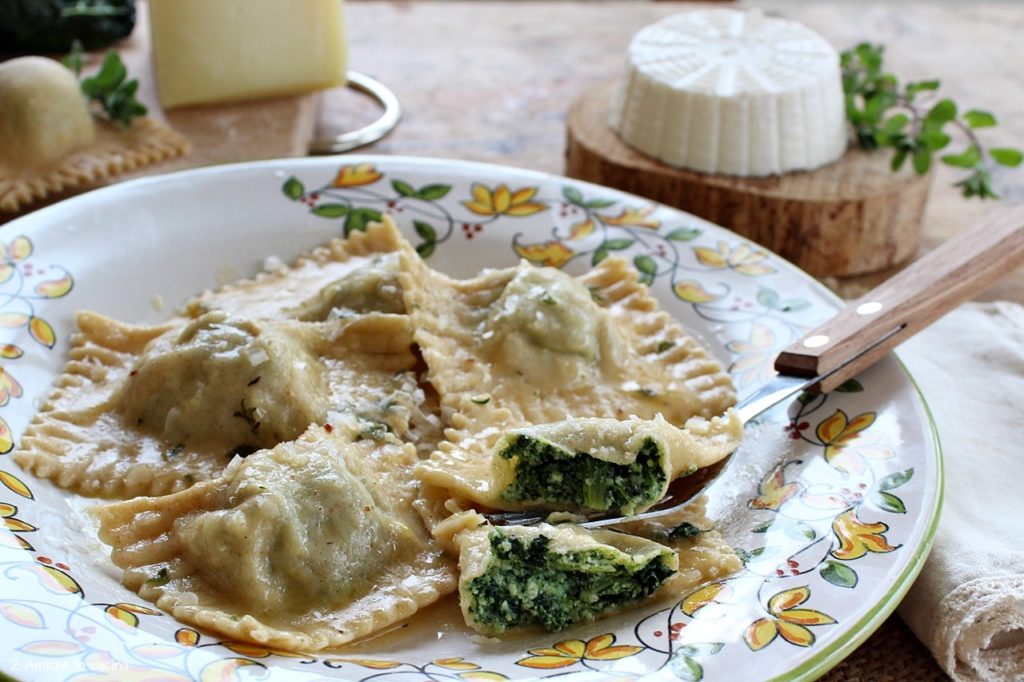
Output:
x=599 y=203
x=617 y=244
x=161 y=578
x=683 y=234
x=425 y=249
x=109 y=89
x=871 y=56
x=647 y=268
x=292 y=188
x=943 y=112
x=433 y=192
x=701 y=649
x=852 y=112
x=920 y=86
x=1006 y=156
x=850 y=386
x=922 y=160
x=874 y=107
x=807 y=397
x=895 y=480
x=768 y=297
x=969 y=158
x=425 y=230
x=979 y=119
x=330 y=210
x=754 y=554
x=685 y=530
x=793 y=305
x=839 y=574
x=686 y=669
x=111 y=74
x=403 y=188
x=888 y=502
x=763 y=527
x=898 y=158
x=978 y=184
x=895 y=123
x=73 y=59
x=934 y=139
x=599 y=255
x=665 y=345
x=358 y=218
x=799 y=531
x=573 y=195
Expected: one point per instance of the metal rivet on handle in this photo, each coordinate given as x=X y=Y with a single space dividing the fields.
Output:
x=869 y=308
x=816 y=341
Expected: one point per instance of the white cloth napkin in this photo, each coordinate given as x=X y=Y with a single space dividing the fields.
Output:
x=967 y=605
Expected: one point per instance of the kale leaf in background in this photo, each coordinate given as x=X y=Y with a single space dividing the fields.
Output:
x=52 y=25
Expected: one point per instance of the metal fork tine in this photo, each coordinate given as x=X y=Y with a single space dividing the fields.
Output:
x=525 y=518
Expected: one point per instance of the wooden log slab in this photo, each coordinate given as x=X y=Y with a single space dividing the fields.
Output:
x=852 y=217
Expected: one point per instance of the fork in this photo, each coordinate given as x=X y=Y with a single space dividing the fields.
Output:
x=853 y=340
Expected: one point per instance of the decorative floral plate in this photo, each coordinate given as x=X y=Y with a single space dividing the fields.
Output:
x=832 y=502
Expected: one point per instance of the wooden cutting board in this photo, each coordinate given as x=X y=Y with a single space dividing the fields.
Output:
x=223 y=133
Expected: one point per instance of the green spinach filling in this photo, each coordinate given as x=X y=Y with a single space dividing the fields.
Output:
x=525 y=584
x=547 y=473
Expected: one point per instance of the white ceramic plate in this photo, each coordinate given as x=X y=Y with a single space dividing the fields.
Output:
x=833 y=504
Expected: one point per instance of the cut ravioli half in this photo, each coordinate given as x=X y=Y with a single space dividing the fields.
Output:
x=594 y=464
x=525 y=346
x=309 y=545
x=553 y=576
x=358 y=274
x=704 y=555
x=150 y=410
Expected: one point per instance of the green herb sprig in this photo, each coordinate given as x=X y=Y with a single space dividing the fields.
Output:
x=110 y=86
x=885 y=114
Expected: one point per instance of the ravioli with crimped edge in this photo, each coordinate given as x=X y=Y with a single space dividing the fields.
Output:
x=305 y=546
x=355 y=275
x=150 y=410
x=593 y=464
x=524 y=346
x=553 y=576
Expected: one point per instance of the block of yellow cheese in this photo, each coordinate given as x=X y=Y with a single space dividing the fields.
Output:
x=230 y=50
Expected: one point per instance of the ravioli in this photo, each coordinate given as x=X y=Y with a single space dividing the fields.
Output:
x=525 y=346
x=358 y=274
x=150 y=410
x=704 y=555
x=305 y=546
x=553 y=576
x=593 y=464
x=701 y=555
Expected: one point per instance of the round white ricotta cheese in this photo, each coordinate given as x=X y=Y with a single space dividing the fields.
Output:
x=734 y=92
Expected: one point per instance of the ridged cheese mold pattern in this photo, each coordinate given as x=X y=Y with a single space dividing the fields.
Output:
x=733 y=92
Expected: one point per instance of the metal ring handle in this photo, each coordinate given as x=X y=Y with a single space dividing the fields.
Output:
x=367 y=134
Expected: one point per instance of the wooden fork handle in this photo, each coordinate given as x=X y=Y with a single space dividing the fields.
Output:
x=907 y=302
